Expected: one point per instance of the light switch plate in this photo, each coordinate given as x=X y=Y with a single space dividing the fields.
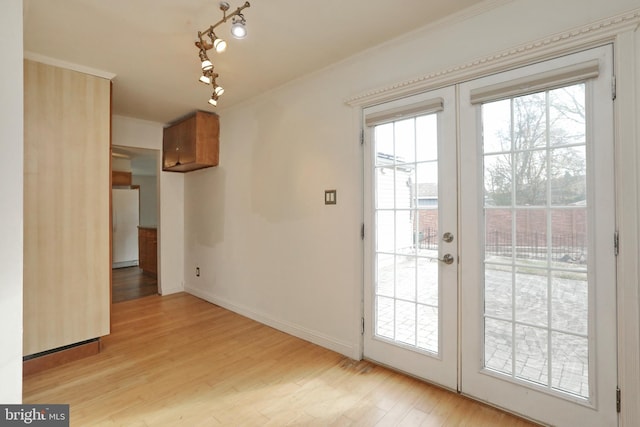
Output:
x=330 y=197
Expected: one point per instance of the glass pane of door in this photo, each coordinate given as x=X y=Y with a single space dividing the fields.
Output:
x=535 y=256
x=406 y=229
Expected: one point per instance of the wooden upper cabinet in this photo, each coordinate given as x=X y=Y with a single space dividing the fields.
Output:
x=191 y=143
x=120 y=178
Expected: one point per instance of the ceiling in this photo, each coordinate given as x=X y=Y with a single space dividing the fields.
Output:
x=149 y=44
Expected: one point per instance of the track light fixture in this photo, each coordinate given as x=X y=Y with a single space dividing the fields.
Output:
x=206 y=63
x=218 y=44
x=238 y=28
x=206 y=77
x=238 y=31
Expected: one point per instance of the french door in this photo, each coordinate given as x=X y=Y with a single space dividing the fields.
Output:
x=524 y=315
x=411 y=197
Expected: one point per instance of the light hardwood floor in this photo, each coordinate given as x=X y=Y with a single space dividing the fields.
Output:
x=181 y=361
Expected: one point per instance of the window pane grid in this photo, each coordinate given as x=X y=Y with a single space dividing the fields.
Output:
x=406 y=223
x=534 y=325
x=536 y=287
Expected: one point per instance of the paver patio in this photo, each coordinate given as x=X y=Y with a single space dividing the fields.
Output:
x=541 y=322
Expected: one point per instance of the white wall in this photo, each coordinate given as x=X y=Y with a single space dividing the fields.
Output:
x=256 y=225
x=11 y=259
x=129 y=132
x=148 y=198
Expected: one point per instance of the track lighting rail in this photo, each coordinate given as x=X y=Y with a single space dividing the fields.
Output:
x=224 y=6
x=238 y=31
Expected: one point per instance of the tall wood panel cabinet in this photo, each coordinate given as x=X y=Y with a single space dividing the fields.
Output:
x=67 y=254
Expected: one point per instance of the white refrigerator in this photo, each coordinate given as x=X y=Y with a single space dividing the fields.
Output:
x=126 y=217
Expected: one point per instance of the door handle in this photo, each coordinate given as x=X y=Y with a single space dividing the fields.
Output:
x=447 y=259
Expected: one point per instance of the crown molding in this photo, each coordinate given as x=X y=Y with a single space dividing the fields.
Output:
x=591 y=35
x=32 y=56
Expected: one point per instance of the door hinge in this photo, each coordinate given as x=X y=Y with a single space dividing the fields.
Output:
x=613 y=88
x=361 y=136
x=362 y=328
x=618 y=404
x=616 y=243
x=362 y=232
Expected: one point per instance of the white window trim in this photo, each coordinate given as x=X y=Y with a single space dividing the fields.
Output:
x=627 y=158
x=623 y=31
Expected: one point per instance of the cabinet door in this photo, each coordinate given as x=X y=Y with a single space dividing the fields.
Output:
x=152 y=251
x=142 y=248
x=179 y=144
x=148 y=250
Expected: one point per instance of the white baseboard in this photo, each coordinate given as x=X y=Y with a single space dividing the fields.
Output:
x=314 y=337
x=168 y=291
x=123 y=264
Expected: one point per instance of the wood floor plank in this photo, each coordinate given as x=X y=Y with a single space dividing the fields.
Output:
x=130 y=282
x=181 y=361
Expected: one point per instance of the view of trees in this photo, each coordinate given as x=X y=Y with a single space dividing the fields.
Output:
x=535 y=147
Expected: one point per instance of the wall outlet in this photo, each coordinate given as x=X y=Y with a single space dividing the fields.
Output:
x=197 y=271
